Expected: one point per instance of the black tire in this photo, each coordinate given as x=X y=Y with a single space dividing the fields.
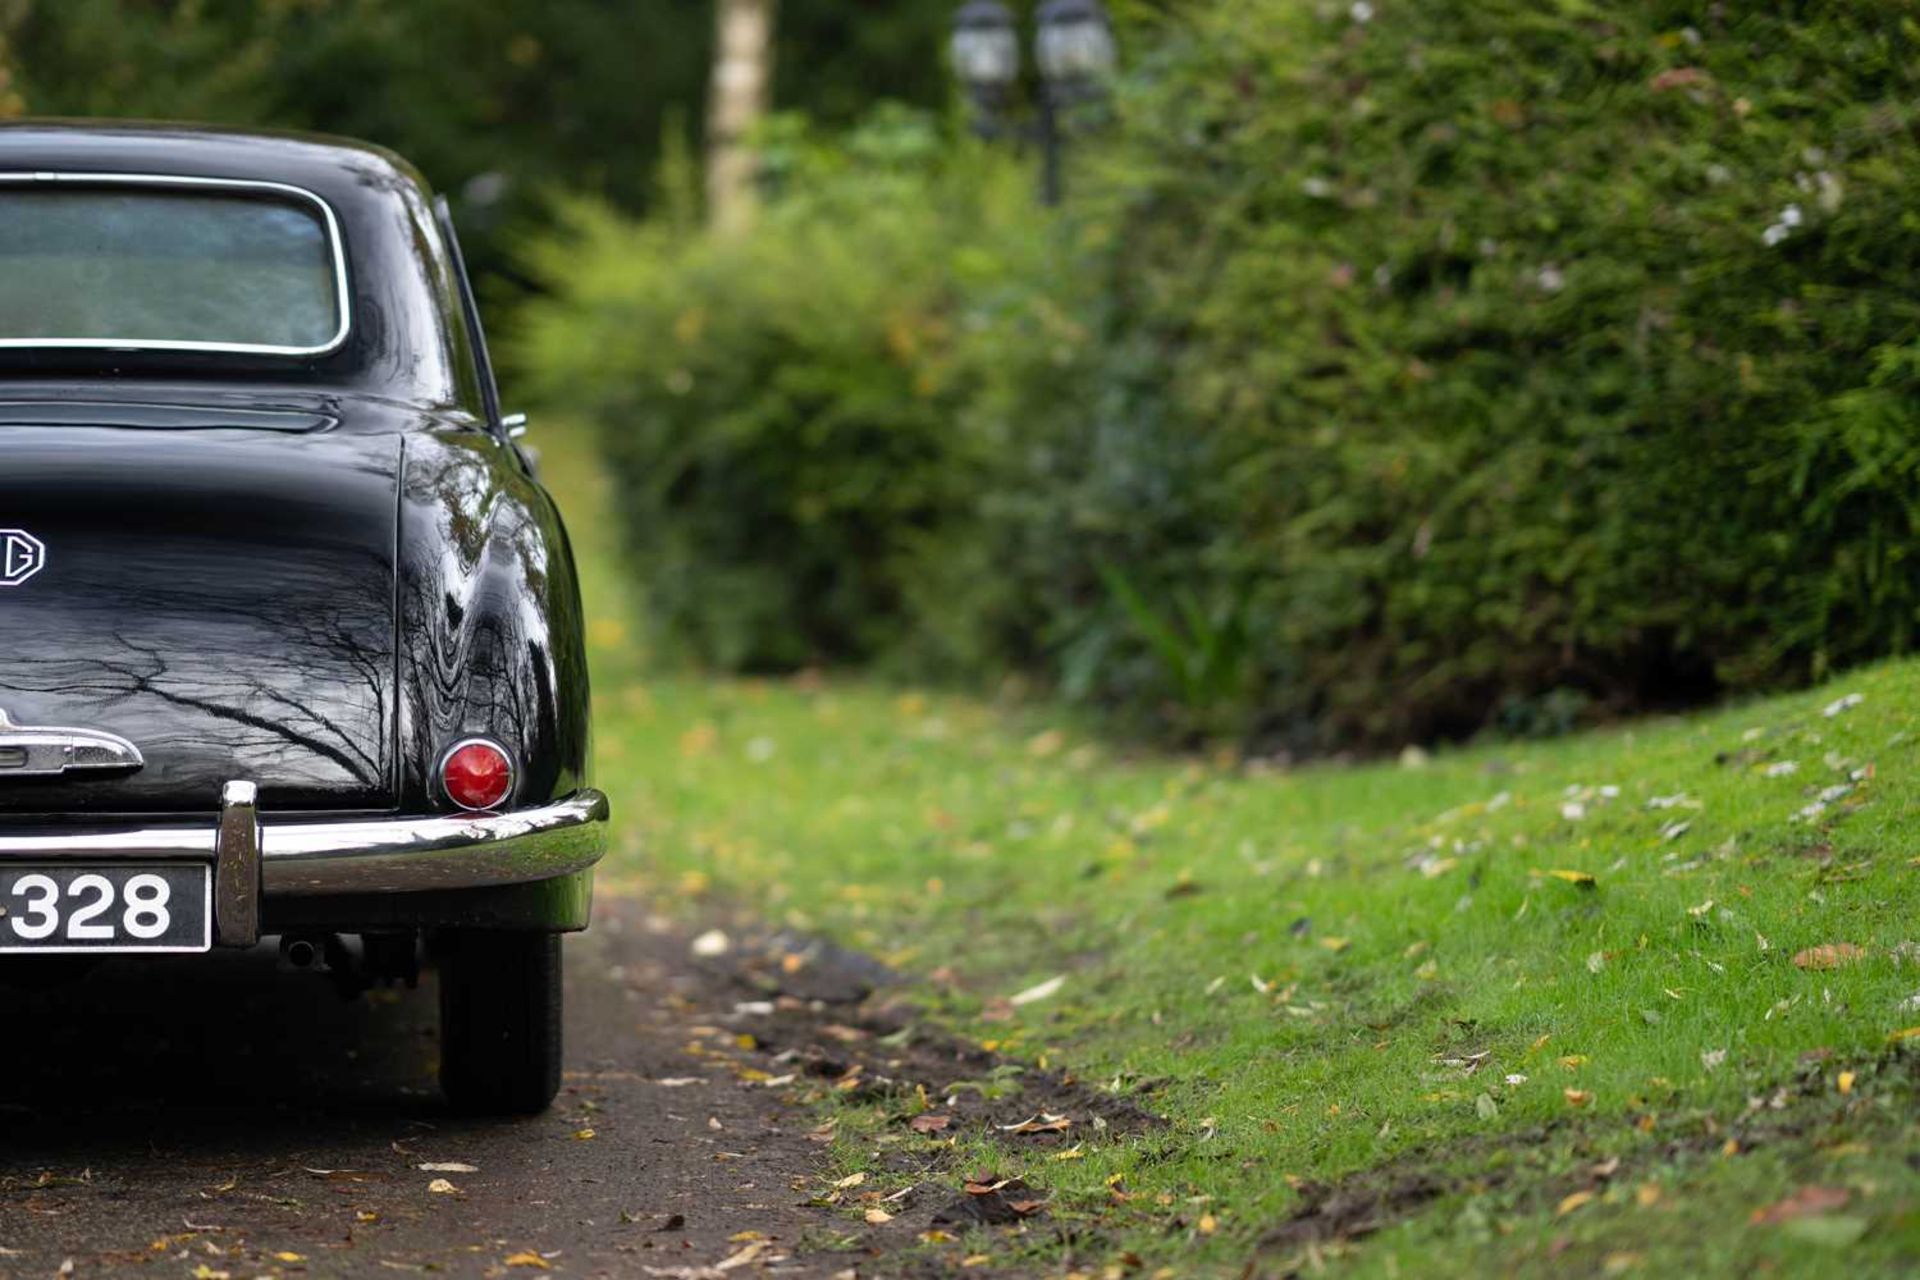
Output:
x=500 y=1021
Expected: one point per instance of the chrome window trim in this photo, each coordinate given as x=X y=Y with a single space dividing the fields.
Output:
x=334 y=241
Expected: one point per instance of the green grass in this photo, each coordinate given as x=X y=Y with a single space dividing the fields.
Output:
x=1303 y=957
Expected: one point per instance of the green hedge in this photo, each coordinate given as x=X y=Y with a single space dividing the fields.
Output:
x=1399 y=371
x=778 y=409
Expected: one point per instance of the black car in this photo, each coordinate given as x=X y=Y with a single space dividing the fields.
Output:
x=290 y=634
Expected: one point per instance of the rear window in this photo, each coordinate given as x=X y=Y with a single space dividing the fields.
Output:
x=230 y=267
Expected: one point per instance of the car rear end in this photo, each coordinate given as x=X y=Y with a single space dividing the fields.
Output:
x=245 y=569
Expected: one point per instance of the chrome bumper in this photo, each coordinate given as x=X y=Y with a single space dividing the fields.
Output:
x=254 y=858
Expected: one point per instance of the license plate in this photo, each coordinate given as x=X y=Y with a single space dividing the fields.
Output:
x=106 y=907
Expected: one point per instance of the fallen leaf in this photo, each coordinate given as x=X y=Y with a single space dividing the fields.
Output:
x=528 y=1258
x=287 y=1255
x=878 y=1217
x=1042 y=1123
x=851 y=1180
x=743 y=1257
x=441 y=1187
x=1829 y=955
x=1569 y=1203
x=1039 y=991
x=1208 y=1224
x=447 y=1166
x=714 y=942
x=1576 y=1097
x=1802 y=1203
x=1841 y=705
x=583 y=1135
x=1846 y=1082
x=1336 y=945
x=1580 y=879
x=929 y=1123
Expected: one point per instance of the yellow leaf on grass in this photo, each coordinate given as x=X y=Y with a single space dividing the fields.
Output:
x=1647 y=1195
x=1905 y=1033
x=1576 y=1097
x=1572 y=1202
x=1336 y=945
x=1829 y=955
x=1846 y=1082
x=1208 y=1224
x=1583 y=879
x=851 y=1180
x=1048 y=743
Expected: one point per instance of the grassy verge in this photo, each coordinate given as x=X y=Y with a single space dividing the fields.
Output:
x=1633 y=1002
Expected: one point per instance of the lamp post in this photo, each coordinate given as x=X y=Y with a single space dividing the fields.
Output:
x=1075 y=52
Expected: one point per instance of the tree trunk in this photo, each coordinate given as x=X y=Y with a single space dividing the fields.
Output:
x=742 y=77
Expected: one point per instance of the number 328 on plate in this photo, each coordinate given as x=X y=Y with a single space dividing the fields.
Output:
x=108 y=907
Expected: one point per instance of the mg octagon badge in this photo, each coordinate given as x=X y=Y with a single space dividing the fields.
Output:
x=21 y=556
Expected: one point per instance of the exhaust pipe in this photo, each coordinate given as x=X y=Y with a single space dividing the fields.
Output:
x=299 y=951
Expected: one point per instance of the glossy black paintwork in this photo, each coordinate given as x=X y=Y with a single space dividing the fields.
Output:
x=222 y=598
x=315 y=575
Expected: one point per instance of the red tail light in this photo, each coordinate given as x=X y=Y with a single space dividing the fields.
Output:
x=477 y=774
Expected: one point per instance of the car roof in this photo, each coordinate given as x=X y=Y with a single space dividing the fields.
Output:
x=198 y=150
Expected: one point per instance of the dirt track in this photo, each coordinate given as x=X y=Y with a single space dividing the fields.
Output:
x=218 y=1113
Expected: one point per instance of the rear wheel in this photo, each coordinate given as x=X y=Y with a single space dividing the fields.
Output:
x=500 y=1020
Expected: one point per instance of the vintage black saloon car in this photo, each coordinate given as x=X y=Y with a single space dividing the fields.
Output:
x=290 y=637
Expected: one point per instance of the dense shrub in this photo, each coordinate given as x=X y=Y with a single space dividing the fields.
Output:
x=1420 y=367
x=779 y=409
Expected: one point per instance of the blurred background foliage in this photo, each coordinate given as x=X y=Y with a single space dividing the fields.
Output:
x=1395 y=371
x=500 y=102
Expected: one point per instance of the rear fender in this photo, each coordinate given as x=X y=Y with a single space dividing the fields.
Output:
x=491 y=624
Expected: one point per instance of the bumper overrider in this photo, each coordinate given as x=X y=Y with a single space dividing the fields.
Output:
x=257 y=861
